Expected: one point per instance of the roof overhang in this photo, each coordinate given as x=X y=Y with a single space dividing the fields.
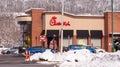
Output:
x=24 y=18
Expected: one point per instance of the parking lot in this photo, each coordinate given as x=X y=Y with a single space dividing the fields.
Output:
x=17 y=60
x=11 y=59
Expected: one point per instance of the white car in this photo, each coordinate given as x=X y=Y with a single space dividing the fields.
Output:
x=13 y=50
x=2 y=48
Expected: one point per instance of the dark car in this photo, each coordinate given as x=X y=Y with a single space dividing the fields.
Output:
x=21 y=49
x=78 y=47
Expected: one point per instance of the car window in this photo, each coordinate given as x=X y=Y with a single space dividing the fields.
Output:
x=1 y=46
x=15 y=48
x=77 y=46
x=83 y=47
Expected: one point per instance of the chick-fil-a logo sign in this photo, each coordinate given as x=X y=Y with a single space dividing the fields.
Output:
x=53 y=22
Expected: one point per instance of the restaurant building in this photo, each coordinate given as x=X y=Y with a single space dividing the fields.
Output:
x=77 y=29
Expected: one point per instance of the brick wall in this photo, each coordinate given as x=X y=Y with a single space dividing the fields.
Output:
x=36 y=26
x=108 y=27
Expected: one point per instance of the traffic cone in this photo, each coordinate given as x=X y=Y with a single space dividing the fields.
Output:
x=27 y=55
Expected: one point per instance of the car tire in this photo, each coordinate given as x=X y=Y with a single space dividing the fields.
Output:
x=101 y=51
x=24 y=54
x=8 y=52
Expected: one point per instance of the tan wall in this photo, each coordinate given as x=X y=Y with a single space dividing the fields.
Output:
x=24 y=18
x=77 y=23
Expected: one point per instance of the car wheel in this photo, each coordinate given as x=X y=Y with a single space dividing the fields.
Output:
x=8 y=52
x=100 y=51
x=23 y=54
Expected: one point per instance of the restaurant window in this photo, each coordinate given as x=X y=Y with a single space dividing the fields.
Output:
x=82 y=36
x=96 y=38
x=67 y=37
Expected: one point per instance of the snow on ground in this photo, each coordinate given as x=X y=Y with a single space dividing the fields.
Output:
x=81 y=58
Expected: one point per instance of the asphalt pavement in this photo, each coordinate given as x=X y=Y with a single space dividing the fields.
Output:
x=17 y=60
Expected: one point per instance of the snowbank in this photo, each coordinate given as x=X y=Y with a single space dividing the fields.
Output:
x=81 y=58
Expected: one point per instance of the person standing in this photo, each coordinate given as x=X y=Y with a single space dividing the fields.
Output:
x=53 y=44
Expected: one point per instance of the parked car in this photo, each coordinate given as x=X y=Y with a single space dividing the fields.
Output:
x=98 y=50
x=2 y=48
x=38 y=49
x=91 y=49
x=78 y=47
x=13 y=50
x=21 y=49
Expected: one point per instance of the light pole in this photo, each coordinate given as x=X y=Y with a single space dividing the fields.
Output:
x=112 y=19
x=54 y=43
x=62 y=26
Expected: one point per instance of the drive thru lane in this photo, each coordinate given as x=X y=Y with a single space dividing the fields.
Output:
x=17 y=60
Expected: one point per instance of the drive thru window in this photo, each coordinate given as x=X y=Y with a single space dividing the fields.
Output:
x=67 y=37
x=82 y=41
x=82 y=37
x=96 y=42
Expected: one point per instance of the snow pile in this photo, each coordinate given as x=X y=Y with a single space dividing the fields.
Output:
x=81 y=58
x=47 y=55
x=91 y=64
x=86 y=59
x=35 y=57
x=77 y=55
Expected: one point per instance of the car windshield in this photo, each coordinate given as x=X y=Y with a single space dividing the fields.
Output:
x=88 y=47
x=83 y=47
x=77 y=46
x=15 y=47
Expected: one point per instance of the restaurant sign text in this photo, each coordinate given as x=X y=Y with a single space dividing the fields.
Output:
x=53 y=22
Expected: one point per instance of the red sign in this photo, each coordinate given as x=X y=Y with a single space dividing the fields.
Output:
x=53 y=22
x=42 y=38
